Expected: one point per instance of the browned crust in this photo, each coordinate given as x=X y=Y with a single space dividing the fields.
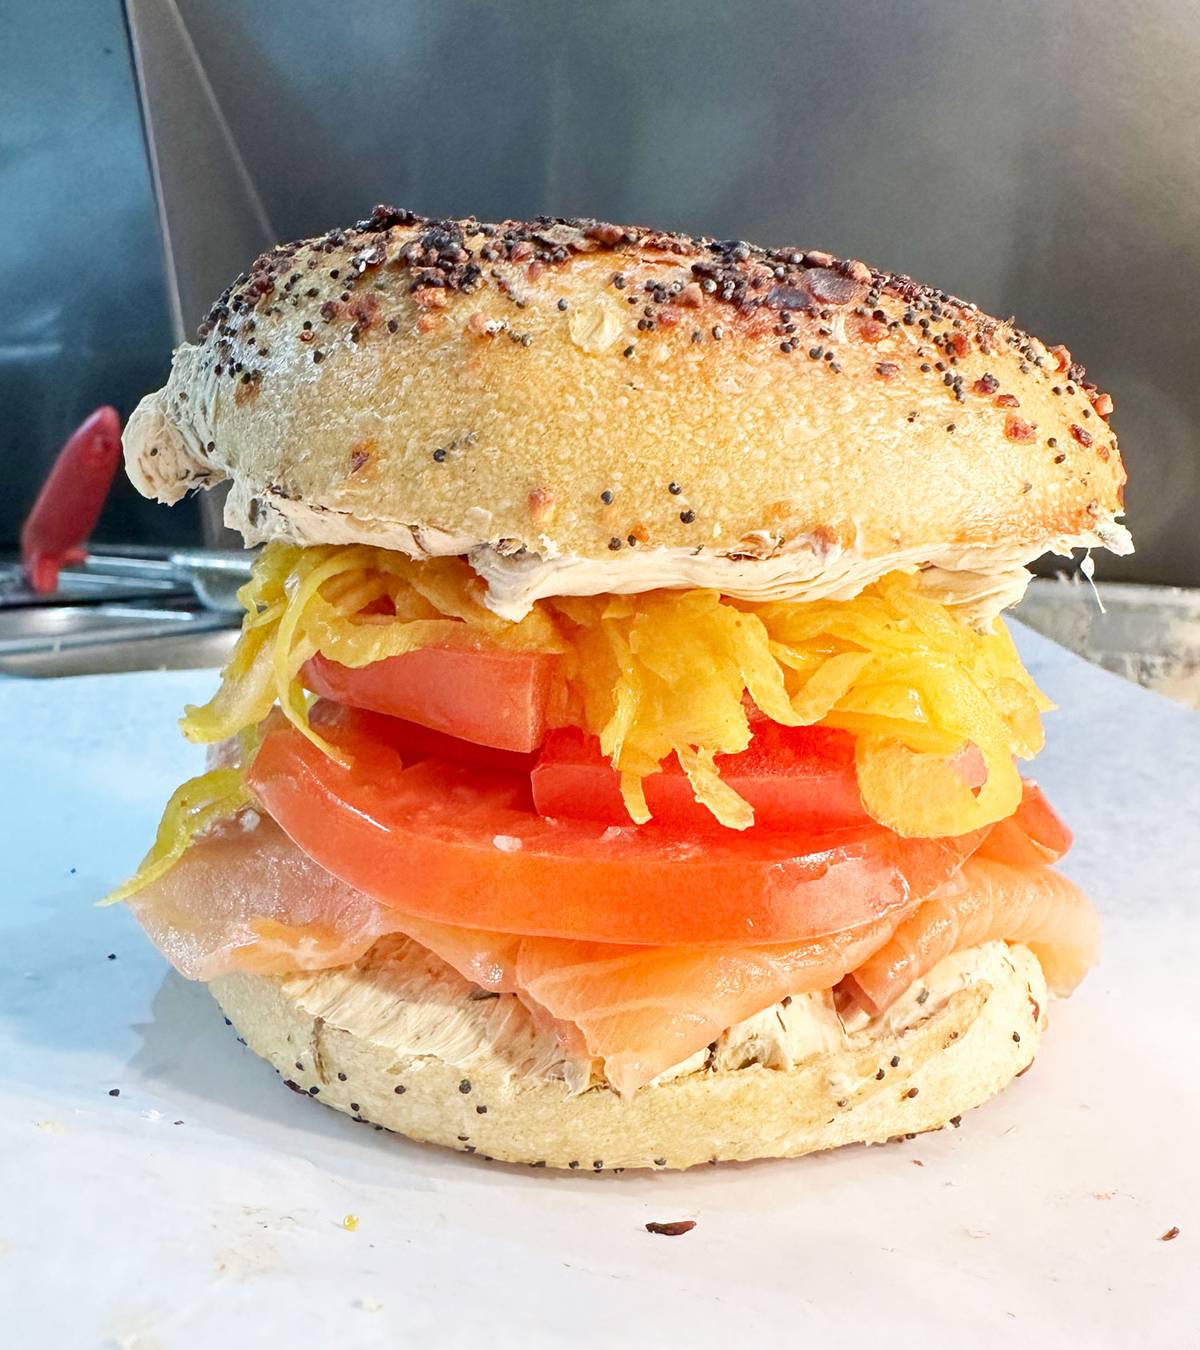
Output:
x=584 y=387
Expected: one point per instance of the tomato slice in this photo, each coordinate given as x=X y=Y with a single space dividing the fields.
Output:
x=462 y=845
x=413 y=742
x=795 y=778
x=491 y=697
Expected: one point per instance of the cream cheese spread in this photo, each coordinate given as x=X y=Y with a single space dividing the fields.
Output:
x=418 y=1006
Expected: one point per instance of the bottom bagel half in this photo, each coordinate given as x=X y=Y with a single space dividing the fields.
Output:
x=401 y=1041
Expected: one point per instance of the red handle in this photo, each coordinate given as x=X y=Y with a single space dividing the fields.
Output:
x=71 y=500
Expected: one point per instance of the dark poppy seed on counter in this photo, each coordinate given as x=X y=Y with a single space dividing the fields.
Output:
x=687 y=516
x=956 y=1121
x=114 y=1092
x=112 y=956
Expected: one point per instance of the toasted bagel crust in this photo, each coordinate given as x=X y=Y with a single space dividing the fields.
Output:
x=322 y=1033
x=562 y=387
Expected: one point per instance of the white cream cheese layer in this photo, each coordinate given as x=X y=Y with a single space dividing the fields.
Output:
x=418 y=1006
x=979 y=581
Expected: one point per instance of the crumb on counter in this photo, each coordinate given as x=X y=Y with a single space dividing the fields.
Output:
x=674 y=1229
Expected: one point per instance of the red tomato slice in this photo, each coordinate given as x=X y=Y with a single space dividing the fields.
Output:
x=796 y=778
x=414 y=742
x=464 y=846
x=492 y=697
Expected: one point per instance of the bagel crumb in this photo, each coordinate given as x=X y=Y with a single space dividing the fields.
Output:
x=676 y=1228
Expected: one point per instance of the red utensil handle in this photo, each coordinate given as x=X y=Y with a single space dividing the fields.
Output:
x=71 y=499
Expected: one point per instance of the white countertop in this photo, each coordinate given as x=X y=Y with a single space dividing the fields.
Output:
x=205 y=1202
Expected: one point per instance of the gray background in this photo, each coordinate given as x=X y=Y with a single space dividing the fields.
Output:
x=1042 y=159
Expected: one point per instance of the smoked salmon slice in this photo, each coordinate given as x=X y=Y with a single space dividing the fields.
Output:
x=987 y=900
x=245 y=897
x=643 y=1010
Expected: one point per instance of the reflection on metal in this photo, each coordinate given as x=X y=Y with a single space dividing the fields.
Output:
x=210 y=213
x=140 y=609
x=43 y=640
x=1148 y=634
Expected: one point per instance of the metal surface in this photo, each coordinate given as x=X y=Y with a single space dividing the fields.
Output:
x=194 y=158
x=85 y=318
x=1148 y=634
x=47 y=640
